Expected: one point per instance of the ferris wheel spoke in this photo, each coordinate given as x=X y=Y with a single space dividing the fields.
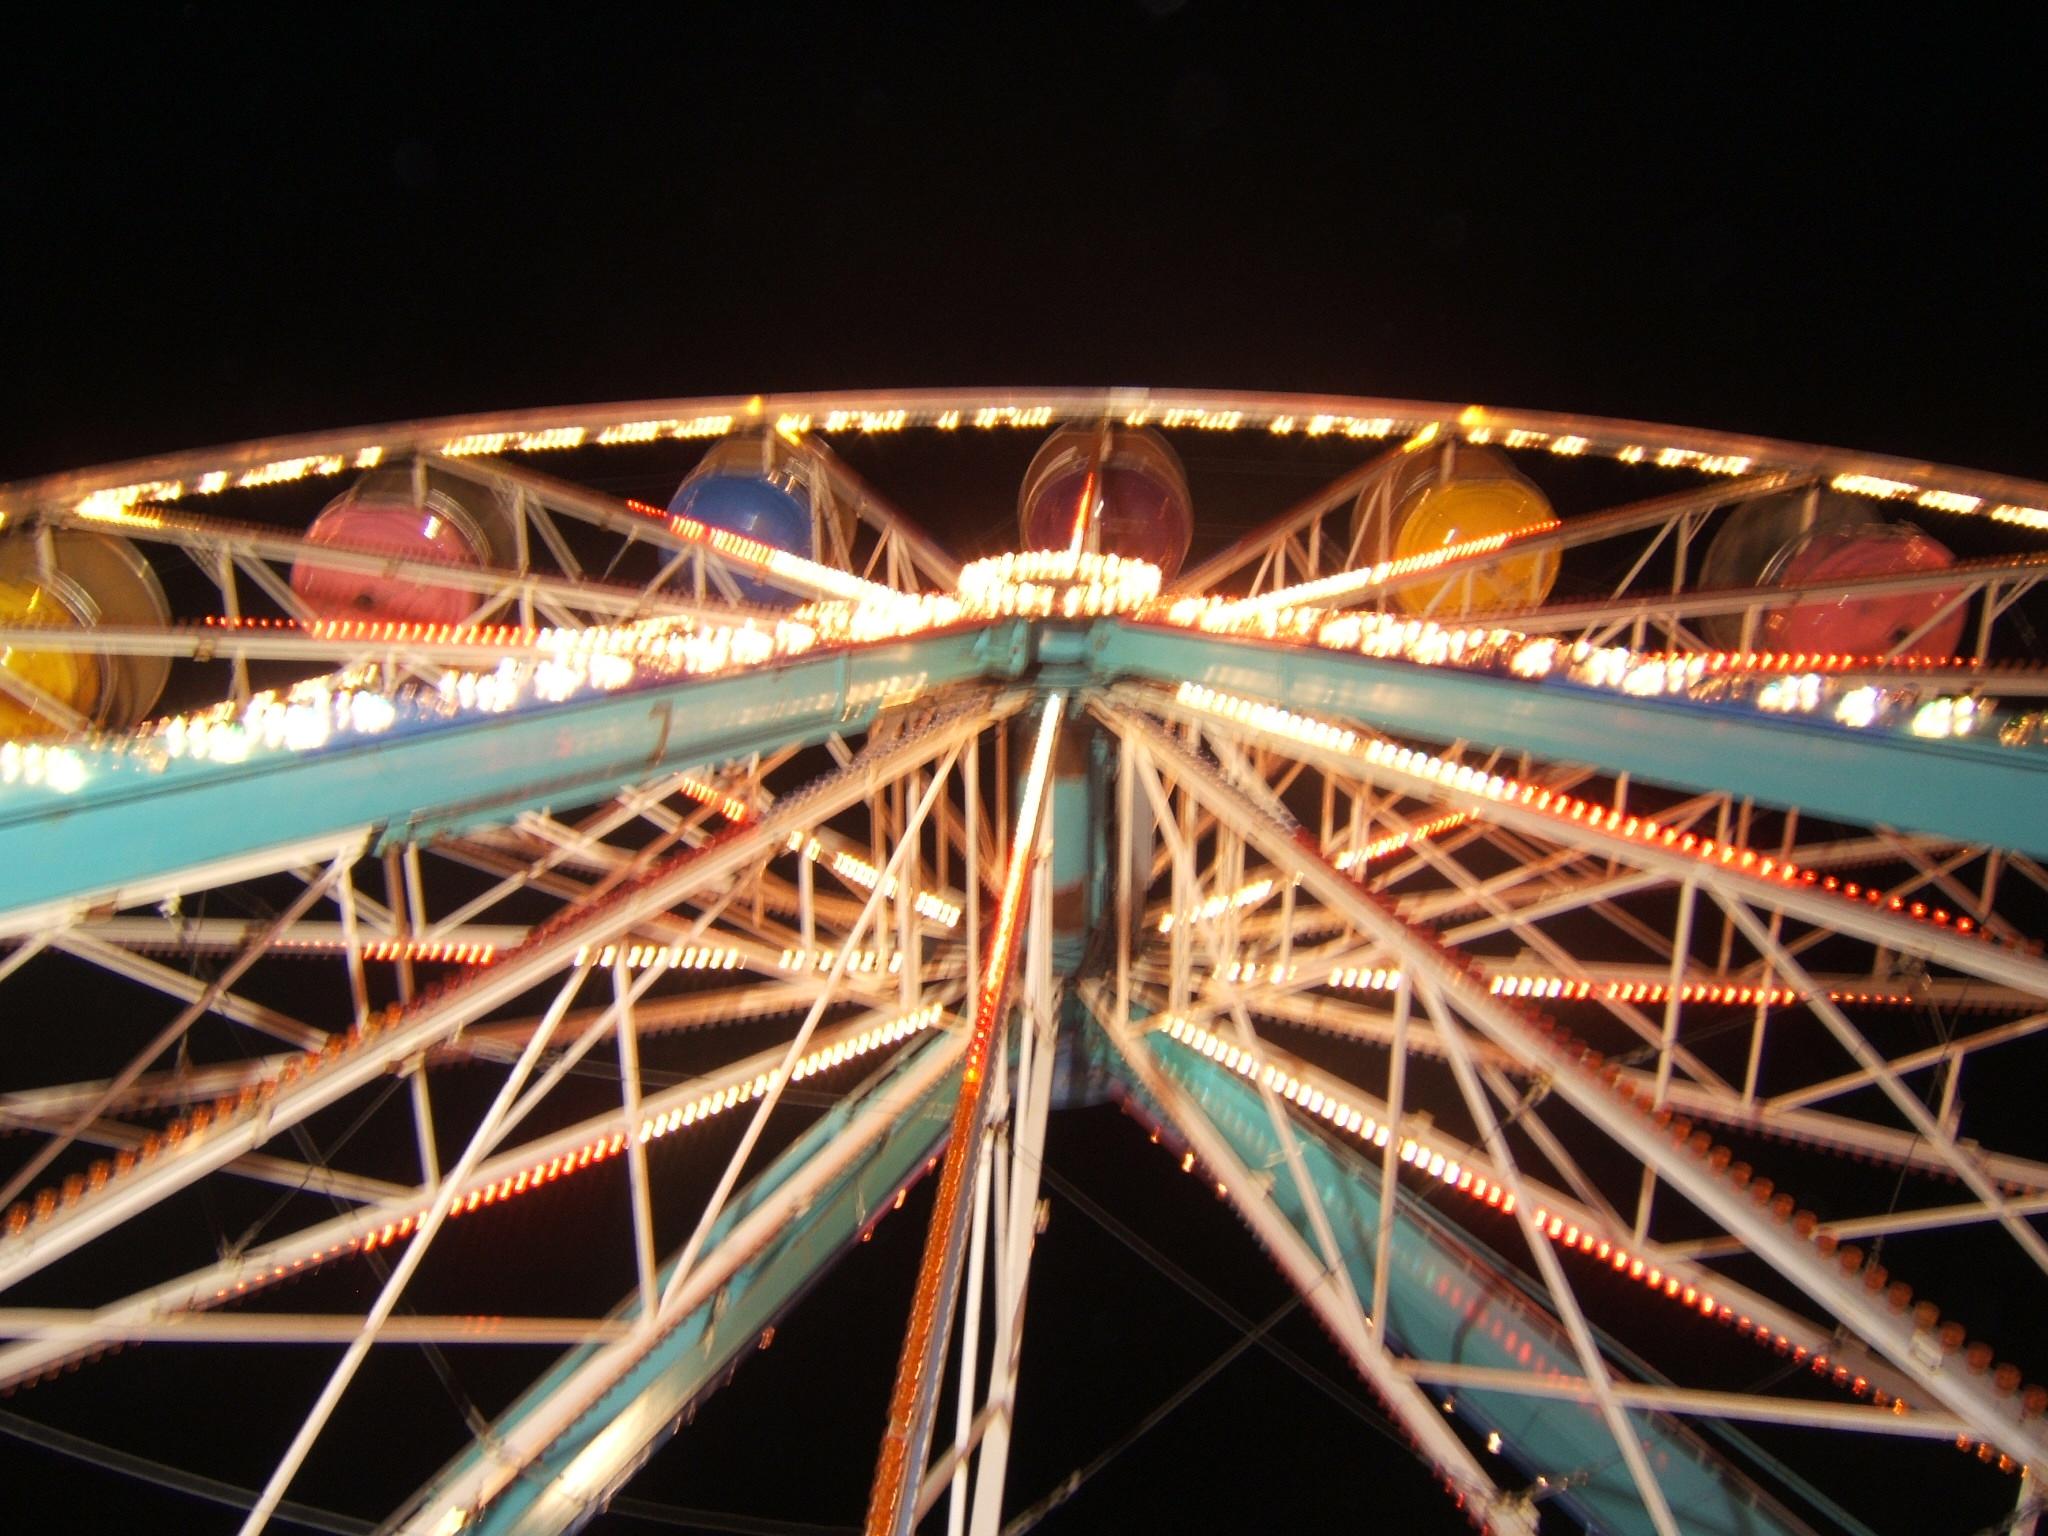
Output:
x=1555 y=1282
x=1361 y=1338
x=1338 y=1105
x=1703 y=1186
x=486 y=1136
x=1590 y=1233
x=1518 y=923
x=354 y=1062
x=1222 y=952
x=1221 y=948
x=388 y=1213
x=424 y=781
x=1856 y=777
x=1824 y=911
x=559 y=851
x=1020 y=922
x=561 y=1460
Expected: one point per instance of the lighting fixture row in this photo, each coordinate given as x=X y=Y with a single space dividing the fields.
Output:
x=1474 y=424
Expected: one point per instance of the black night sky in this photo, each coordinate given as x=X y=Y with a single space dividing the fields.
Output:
x=219 y=223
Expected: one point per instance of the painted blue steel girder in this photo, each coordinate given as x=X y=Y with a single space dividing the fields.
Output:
x=1968 y=790
x=1450 y=1300
x=129 y=823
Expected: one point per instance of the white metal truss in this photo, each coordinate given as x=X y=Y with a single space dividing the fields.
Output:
x=853 y=905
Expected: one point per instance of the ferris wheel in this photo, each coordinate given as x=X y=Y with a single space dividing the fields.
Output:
x=1569 y=886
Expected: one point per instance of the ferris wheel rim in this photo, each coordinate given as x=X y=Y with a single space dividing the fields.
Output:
x=1288 y=416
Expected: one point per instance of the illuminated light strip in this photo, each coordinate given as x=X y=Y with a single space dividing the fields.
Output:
x=931 y=1302
x=285 y=470
x=546 y=440
x=112 y=505
x=1473 y=424
x=1720 y=662
x=1948 y=501
x=1045 y=583
x=1552 y=988
x=1728 y=993
x=866 y=421
x=1343 y=583
x=1256 y=891
x=639 y=957
x=1339 y=1112
x=1015 y=416
x=1394 y=842
x=779 y=562
x=1201 y=420
x=549 y=440
x=448 y=952
x=1268 y=717
x=483 y=636
x=670 y=427
x=1872 y=485
x=32 y=763
x=1489 y=651
x=1002 y=939
x=1554 y=803
x=475 y=443
x=1244 y=896
x=311 y=713
x=861 y=962
x=121 y=514
x=850 y=867
x=855 y=870
x=1349 y=426
x=731 y=807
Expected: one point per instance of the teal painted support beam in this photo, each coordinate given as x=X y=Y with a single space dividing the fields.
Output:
x=644 y=1407
x=1080 y=838
x=1968 y=790
x=127 y=823
x=1449 y=1299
